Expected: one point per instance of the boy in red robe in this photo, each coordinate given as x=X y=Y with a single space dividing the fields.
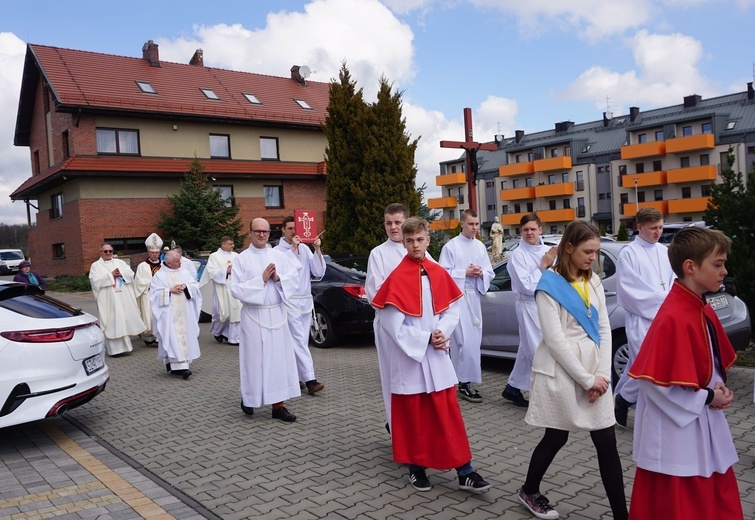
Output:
x=418 y=315
x=682 y=443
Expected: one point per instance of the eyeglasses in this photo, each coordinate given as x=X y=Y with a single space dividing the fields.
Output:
x=261 y=231
x=107 y=250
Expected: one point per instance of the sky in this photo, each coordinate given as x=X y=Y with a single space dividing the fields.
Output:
x=519 y=65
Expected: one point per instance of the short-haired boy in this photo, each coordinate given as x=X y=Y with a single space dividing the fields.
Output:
x=682 y=443
x=419 y=311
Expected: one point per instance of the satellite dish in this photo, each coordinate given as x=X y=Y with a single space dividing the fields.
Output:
x=304 y=71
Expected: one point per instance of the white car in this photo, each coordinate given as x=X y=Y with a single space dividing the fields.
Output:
x=52 y=356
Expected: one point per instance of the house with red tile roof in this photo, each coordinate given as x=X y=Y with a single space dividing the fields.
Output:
x=110 y=137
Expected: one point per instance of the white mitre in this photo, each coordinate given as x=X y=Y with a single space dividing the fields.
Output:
x=153 y=242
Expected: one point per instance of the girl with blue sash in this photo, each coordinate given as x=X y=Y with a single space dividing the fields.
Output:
x=570 y=387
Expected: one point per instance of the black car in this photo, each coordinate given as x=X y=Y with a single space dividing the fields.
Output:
x=341 y=306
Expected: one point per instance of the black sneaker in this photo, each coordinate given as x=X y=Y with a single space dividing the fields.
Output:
x=537 y=504
x=419 y=481
x=314 y=386
x=220 y=338
x=283 y=414
x=466 y=391
x=515 y=396
x=473 y=482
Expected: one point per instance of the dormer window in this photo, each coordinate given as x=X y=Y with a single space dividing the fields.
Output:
x=252 y=99
x=730 y=125
x=209 y=94
x=146 y=87
x=303 y=104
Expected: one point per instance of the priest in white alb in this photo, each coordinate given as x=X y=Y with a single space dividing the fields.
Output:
x=226 y=310
x=144 y=273
x=113 y=288
x=263 y=278
x=643 y=279
x=466 y=260
x=176 y=302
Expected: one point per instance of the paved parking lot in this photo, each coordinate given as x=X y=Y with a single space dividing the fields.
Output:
x=186 y=447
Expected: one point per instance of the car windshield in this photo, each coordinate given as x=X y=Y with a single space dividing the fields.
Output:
x=11 y=255
x=356 y=264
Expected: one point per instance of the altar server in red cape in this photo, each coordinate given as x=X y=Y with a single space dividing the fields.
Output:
x=682 y=443
x=419 y=311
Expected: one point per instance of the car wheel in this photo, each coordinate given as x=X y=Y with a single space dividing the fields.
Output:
x=322 y=332
x=620 y=357
x=204 y=317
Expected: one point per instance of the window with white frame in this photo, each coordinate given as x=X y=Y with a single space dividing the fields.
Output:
x=269 y=149
x=273 y=196
x=117 y=141
x=220 y=146
x=56 y=205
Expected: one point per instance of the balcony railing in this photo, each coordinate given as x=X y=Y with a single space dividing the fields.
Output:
x=690 y=143
x=636 y=151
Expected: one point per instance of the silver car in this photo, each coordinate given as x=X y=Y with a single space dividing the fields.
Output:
x=500 y=330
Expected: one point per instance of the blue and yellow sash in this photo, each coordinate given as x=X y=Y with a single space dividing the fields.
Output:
x=562 y=291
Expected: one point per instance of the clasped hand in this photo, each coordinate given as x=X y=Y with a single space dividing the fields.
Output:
x=722 y=397
x=269 y=273
x=439 y=341
x=599 y=387
x=177 y=289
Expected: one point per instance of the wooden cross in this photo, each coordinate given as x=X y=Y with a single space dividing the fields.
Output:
x=471 y=147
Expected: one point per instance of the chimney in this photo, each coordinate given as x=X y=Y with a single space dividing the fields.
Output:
x=150 y=53
x=691 y=101
x=563 y=126
x=198 y=59
x=296 y=75
x=633 y=113
x=607 y=116
x=750 y=91
x=519 y=134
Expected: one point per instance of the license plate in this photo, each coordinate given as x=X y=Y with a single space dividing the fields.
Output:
x=93 y=364
x=718 y=302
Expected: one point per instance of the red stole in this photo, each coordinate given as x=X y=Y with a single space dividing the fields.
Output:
x=403 y=287
x=676 y=350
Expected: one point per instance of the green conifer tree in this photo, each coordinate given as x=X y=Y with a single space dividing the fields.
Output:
x=622 y=235
x=199 y=216
x=730 y=211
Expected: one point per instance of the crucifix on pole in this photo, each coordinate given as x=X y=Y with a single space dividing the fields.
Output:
x=471 y=147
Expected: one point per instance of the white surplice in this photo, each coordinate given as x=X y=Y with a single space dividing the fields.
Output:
x=301 y=305
x=175 y=317
x=226 y=310
x=266 y=352
x=524 y=268
x=116 y=304
x=455 y=257
x=141 y=287
x=642 y=271
x=416 y=367
x=382 y=261
x=187 y=264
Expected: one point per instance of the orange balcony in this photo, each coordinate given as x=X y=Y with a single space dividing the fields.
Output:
x=696 y=205
x=643 y=179
x=553 y=163
x=637 y=151
x=630 y=209
x=557 y=215
x=444 y=225
x=441 y=202
x=690 y=143
x=451 y=178
x=512 y=219
x=508 y=170
x=697 y=173
x=555 y=190
x=518 y=193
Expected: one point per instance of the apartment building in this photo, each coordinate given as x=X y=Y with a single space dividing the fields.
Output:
x=110 y=137
x=604 y=171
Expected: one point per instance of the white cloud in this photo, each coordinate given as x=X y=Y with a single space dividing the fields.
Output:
x=667 y=70
x=15 y=166
x=365 y=34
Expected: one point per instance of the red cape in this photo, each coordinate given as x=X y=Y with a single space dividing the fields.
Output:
x=676 y=350
x=403 y=287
